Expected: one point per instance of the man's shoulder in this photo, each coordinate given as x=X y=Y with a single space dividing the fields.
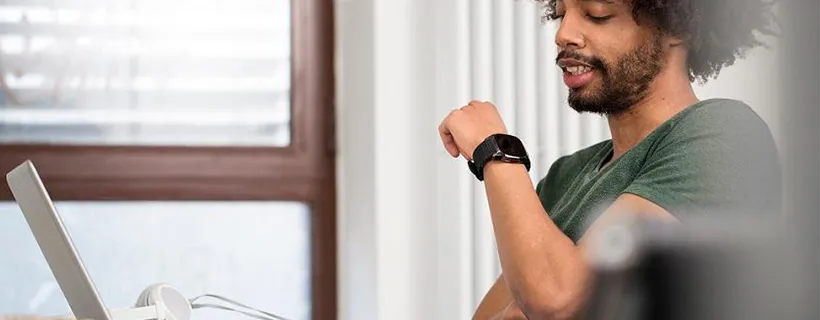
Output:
x=723 y=131
x=718 y=152
x=721 y=114
x=715 y=125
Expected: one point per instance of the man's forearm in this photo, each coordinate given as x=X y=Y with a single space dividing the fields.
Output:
x=543 y=268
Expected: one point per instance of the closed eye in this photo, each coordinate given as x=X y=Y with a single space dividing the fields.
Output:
x=597 y=19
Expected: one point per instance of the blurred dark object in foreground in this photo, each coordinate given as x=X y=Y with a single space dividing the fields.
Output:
x=698 y=270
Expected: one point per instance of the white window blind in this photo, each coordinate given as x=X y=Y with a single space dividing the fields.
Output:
x=145 y=72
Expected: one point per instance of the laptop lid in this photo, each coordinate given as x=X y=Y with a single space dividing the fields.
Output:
x=48 y=229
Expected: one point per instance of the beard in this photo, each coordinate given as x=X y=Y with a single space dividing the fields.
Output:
x=624 y=82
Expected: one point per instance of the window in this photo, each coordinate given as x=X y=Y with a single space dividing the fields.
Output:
x=259 y=254
x=125 y=104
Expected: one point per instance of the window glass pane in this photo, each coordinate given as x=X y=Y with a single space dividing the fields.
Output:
x=145 y=72
x=257 y=253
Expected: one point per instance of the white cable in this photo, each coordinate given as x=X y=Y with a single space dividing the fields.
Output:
x=216 y=306
x=267 y=315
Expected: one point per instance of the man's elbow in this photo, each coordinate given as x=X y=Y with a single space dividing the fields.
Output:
x=555 y=306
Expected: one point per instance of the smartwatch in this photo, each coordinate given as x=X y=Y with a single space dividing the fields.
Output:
x=498 y=147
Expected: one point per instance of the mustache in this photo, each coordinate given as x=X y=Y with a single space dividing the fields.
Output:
x=595 y=62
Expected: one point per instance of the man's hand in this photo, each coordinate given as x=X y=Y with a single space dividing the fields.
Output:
x=465 y=128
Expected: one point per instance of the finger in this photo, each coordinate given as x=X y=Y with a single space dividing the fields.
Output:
x=450 y=145
x=479 y=103
x=447 y=139
x=464 y=153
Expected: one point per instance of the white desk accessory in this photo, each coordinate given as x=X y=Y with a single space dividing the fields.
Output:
x=160 y=301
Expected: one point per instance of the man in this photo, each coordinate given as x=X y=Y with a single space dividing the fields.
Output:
x=671 y=156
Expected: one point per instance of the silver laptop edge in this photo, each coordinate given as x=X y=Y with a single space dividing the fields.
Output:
x=55 y=243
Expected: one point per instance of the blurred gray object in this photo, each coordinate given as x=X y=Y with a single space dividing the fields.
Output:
x=799 y=81
x=704 y=269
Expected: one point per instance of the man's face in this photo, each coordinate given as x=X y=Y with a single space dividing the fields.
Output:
x=608 y=59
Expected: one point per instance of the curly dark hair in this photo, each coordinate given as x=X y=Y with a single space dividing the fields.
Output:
x=717 y=32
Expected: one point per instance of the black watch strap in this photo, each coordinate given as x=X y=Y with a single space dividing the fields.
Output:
x=489 y=150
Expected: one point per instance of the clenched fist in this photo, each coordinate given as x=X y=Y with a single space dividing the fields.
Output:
x=465 y=128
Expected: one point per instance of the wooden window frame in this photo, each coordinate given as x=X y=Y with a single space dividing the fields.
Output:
x=303 y=171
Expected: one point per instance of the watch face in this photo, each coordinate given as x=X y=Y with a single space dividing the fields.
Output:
x=511 y=145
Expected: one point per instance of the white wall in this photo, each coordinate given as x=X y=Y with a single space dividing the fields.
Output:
x=414 y=236
x=754 y=80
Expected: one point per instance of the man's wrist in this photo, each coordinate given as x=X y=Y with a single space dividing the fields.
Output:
x=497 y=148
x=501 y=168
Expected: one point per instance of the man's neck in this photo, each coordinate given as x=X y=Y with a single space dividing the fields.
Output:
x=668 y=95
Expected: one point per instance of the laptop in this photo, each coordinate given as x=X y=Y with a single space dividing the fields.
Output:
x=55 y=243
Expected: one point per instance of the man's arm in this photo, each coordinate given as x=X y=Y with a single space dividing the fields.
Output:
x=543 y=269
x=496 y=299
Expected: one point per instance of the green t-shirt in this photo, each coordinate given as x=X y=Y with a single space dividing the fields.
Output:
x=715 y=157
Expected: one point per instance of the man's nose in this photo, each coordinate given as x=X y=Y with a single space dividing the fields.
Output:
x=569 y=35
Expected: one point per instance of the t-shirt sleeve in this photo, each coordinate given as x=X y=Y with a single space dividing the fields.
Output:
x=720 y=160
